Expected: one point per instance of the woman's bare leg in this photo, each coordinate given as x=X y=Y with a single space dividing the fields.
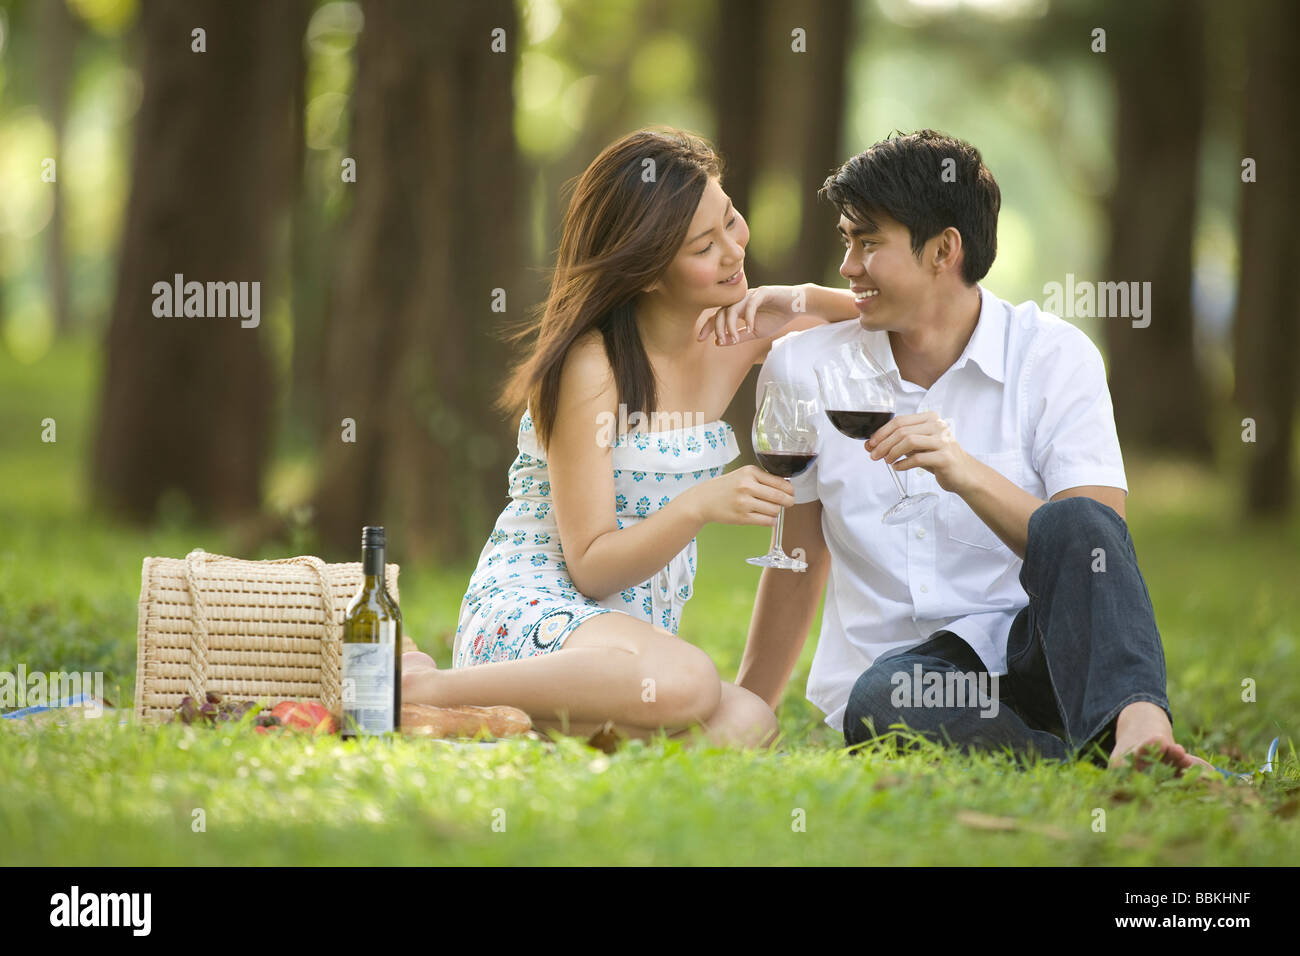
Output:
x=742 y=719
x=612 y=667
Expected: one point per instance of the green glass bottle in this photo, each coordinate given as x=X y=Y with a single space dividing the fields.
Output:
x=372 y=649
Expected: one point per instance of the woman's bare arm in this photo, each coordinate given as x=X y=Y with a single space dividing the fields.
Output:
x=602 y=559
x=769 y=312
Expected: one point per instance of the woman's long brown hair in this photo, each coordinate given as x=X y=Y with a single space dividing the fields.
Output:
x=625 y=223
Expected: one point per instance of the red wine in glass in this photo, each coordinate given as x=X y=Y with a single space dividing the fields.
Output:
x=785 y=444
x=785 y=464
x=859 y=401
x=859 y=425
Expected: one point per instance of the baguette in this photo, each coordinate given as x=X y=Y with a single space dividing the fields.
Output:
x=425 y=720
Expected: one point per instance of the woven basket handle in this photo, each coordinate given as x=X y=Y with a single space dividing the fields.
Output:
x=198 y=676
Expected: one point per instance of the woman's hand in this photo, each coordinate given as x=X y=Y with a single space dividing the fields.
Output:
x=761 y=314
x=748 y=495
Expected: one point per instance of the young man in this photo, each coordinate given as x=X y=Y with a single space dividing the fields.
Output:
x=1025 y=569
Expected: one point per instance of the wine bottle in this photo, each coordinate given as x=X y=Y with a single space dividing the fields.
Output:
x=372 y=649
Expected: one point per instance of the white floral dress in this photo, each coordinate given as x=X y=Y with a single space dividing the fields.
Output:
x=520 y=601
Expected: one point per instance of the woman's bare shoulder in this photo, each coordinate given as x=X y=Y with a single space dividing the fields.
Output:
x=587 y=375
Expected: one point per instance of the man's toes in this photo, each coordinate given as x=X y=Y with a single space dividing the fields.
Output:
x=1155 y=750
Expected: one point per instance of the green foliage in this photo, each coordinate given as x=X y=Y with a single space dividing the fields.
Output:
x=98 y=792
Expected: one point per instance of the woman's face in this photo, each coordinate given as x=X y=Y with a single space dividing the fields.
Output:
x=713 y=253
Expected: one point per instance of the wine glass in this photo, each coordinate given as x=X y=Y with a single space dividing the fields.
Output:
x=859 y=400
x=785 y=443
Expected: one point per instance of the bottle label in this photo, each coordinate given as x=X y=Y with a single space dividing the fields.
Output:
x=368 y=684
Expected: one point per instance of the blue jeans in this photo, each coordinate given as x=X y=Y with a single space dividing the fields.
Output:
x=1084 y=649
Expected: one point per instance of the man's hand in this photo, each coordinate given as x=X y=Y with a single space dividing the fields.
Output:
x=928 y=442
x=761 y=314
x=784 y=607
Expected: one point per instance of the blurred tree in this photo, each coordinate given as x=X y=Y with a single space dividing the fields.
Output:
x=739 y=29
x=1266 y=334
x=58 y=37
x=311 y=238
x=781 y=119
x=737 y=80
x=319 y=209
x=186 y=402
x=433 y=235
x=593 y=42
x=805 y=121
x=1156 y=55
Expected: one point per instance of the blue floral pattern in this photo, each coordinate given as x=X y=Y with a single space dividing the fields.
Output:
x=525 y=615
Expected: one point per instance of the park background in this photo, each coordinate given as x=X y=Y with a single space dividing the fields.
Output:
x=1121 y=162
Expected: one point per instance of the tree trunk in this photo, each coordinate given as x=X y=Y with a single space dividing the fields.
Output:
x=58 y=37
x=313 y=251
x=740 y=27
x=784 y=110
x=1157 y=57
x=816 y=254
x=415 y=359
x=1266 y=334
x=186 y=401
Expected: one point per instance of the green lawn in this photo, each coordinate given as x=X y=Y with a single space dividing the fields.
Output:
x=1225 y=593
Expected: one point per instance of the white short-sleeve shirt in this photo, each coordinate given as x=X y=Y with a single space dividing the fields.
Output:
x=1027 y=397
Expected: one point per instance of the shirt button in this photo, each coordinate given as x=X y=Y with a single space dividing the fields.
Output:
x=925 y=589
x=920 y=532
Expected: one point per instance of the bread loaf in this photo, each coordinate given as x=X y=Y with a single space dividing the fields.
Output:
x=424 y=720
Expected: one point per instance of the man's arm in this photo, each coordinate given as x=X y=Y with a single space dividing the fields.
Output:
x=1005 y=507
x=784 y=607
x=1074 y=435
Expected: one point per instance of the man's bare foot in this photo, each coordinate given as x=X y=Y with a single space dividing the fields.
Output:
x=1143 y=733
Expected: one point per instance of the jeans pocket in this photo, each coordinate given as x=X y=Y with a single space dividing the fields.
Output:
x=964 y=526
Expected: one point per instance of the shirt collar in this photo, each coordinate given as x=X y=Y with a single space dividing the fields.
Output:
x=987 y=345
x=986 y=348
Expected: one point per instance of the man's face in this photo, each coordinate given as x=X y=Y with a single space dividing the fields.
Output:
x=887 y=280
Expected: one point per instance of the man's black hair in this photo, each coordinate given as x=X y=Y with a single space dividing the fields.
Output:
x=906 y=178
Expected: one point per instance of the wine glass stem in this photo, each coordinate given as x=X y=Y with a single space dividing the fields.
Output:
x=893 y=474
x=776 y=532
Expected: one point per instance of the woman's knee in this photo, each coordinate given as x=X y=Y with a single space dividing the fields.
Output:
x=683 y=688
x=676 y=684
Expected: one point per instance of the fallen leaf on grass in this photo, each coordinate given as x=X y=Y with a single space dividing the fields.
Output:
x=984 y=821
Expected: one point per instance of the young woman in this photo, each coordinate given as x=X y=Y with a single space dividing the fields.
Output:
x=573 y=611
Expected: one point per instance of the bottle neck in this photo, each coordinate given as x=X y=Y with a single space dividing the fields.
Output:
x=372 y=566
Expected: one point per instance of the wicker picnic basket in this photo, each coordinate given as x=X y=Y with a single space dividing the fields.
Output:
x=253 y=630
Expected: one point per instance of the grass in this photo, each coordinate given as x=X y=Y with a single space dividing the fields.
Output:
x=99 y=793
